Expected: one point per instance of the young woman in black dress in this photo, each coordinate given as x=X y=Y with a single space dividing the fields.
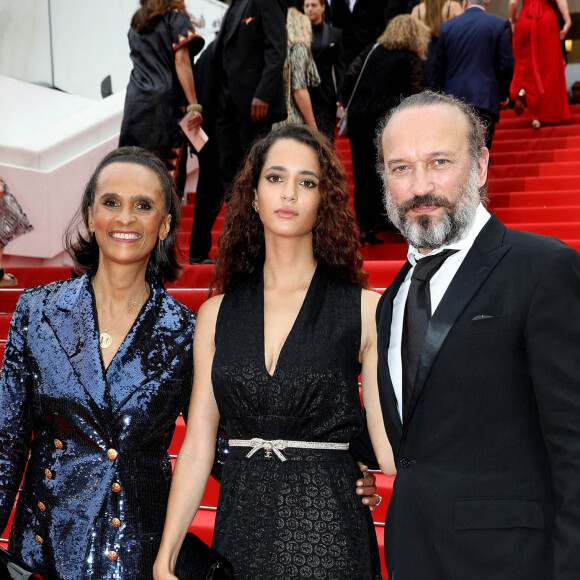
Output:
x=277 y=355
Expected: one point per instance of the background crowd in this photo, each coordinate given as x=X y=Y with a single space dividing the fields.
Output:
x=300 y=61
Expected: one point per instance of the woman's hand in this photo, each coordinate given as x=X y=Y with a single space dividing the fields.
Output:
x=194 y=121
x=566 y=27
x=565 y=12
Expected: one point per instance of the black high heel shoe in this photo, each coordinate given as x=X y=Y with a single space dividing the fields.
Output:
x=369 y=238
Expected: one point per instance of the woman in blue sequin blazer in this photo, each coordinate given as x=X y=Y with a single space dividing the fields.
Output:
x=96 y=371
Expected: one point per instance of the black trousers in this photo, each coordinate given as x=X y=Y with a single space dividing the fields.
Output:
x=208 y=201
x=218 y=166
x=368 y=189
x=325 y=120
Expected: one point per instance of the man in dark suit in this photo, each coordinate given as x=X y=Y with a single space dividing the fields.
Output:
x=486 y=431
x=248 y=87
x=328 y=53
x=362 y=21
x=474 y=61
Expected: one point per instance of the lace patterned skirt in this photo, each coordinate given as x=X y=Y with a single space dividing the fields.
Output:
x=295 y=519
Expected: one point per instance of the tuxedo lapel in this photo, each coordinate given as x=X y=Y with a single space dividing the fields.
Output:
x=237 y=12
x=384 y=318
x=483 y=257
x=71 y=319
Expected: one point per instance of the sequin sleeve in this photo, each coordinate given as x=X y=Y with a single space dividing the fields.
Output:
x=16 y=385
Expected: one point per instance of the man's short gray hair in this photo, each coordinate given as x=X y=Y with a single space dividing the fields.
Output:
x=477 y=130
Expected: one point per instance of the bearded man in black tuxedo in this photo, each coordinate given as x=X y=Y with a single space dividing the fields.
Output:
x=486 y=430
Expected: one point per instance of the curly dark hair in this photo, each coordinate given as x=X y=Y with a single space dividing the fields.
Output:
x=241 y=245
x=163 y=265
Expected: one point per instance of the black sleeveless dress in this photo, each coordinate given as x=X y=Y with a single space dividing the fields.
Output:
x=300 y=518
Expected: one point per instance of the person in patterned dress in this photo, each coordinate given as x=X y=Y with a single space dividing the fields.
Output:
x=161 y=89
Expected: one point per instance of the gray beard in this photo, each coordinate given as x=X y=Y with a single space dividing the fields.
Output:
x=430 y=232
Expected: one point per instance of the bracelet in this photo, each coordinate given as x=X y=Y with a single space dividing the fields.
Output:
x=194 y=107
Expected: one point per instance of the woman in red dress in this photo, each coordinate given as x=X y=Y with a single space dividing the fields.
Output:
x=539 y=81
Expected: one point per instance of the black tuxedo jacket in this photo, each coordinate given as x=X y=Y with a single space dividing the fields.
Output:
x=488 y=463
x=329 y=57
x=254 y=51
x=474 y=59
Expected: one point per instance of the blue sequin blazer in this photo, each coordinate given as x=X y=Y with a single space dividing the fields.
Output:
x=93 y=499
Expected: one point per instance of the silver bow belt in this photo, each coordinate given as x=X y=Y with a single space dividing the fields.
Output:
x=277 y=445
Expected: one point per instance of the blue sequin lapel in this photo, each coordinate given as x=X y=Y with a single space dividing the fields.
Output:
x=77 y=335
x=134 y=370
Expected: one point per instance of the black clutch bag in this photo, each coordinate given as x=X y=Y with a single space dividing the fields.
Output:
x=197 y=561
x=11 y=568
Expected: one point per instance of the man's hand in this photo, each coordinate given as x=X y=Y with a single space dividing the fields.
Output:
x=259 y=109
x=367 y=488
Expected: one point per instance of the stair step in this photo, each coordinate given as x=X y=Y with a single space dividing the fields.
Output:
x=8 y=299
x=528 y=132
x=529 y=143
x=4 y=325
x=516 y=199
x=523 y=157
x=535 y=214
x=528 y=184
x=192 y=297
x=555 y=168
x=525 y=122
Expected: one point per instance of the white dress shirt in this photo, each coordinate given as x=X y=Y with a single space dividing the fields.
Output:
x=437 y=287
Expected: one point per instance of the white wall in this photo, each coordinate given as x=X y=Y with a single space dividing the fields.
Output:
x=25 y=40
x=51 y=140
x=74 y=44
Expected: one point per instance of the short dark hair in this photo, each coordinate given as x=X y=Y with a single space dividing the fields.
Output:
x=477 y=130
x=163 y=264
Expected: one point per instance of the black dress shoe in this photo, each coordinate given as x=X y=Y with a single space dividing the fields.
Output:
x=201 y=260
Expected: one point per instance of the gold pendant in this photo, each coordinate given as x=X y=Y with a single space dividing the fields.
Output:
x=105 y=340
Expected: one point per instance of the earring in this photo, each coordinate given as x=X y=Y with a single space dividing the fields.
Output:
x=159 y=251
x=255 y=206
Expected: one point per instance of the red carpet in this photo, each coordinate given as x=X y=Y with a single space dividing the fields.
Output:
x=534 y=185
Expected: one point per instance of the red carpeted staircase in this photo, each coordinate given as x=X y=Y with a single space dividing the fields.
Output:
x=534 y=185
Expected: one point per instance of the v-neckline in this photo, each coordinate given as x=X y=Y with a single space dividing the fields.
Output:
x=292 y=329
x=104 y=367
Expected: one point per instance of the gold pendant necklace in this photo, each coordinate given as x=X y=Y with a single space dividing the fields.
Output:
x=105 y=339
